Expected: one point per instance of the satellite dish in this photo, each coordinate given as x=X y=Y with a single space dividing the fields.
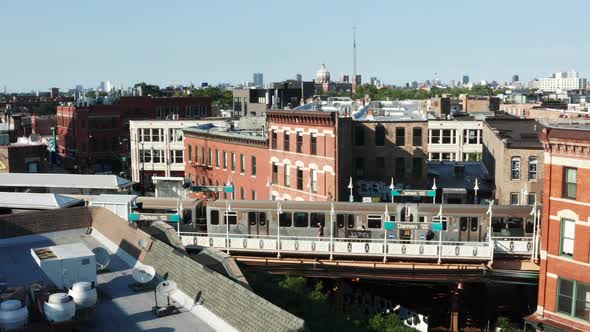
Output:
x=166 y=287
x=143 y=274
x=103 y=258
x=142 y=243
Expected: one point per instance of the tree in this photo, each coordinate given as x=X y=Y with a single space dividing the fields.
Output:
x=387 y=323
x=149 y=89
x=45 y=108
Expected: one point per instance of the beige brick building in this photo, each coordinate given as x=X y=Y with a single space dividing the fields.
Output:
x=513 y=155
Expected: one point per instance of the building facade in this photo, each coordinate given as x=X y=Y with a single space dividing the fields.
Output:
x=303 y=155
x=564 y=278
x=218 y=156
x=23 y=158
x=513 y=156
x=95 y=137
x=455 y=140
x=157 y=148
x=382 y=149
x=479 y=104
x=562 y=81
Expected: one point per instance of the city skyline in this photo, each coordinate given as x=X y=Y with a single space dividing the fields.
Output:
x=168 y=45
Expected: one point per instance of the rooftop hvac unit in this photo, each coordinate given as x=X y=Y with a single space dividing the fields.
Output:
x=66 y=264
x=13 y=315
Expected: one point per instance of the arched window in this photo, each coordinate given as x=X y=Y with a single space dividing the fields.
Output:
x=379 y=135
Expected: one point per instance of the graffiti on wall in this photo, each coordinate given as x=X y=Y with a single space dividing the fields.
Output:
x=369 y=188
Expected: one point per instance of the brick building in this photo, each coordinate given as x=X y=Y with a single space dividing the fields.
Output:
x=215 y=156
x=95 y=138
x=479 y=104
x=564 y=279
x=513 y=156
x=304 y=152
x=23 y=158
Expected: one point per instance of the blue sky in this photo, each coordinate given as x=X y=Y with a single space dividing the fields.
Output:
x=62 y=42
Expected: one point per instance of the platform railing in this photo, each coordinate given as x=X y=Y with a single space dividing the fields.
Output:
x=449 y=250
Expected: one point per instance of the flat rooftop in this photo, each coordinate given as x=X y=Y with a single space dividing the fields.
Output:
x=118 y=309
x=517 y=133
x=51 y=180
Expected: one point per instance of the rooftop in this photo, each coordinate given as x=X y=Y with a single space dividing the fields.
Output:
x=50 y=180
x=516 y=133
x=228 y=132
x=447 y=175
x=114 y=199
x=31 y=201
x=208 y=301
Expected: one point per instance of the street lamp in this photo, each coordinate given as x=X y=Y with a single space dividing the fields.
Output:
x=434 y=188
x=476 y=188
x=227 y=212
x=350 y=197
x=332 y=231
x=385 y=219
x=391 y=188
x=279 y=212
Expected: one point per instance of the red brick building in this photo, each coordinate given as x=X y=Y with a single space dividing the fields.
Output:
x=564 y=280
x=303 y=155
x=23 y=158
x=216 y=156
x=95 y=138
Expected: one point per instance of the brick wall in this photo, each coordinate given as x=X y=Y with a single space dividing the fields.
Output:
x=23 y=224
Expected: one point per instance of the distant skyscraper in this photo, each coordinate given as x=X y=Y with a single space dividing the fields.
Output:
x=345 y=79
x=258 y=80
x=465 y=79
x=298 y=77
x=515 y=78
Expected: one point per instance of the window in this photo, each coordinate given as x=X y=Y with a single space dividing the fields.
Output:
x=374 y=221
x=210 y=157
x=573 y=298
x=214 y=217
x=568 y=233
x=273 y=140
x=400 y=167
x=400 y=136
x=190 y=153
x=447 y=136
x=203 y=156
x=435 y=136
x=157 y=156
x=514 y=198
x=417 y=167
x=175 y=135
x=146 y=136
x=359 y=166
x=317 y=219
x=417 y=136
x=176 y=156
x=196 y=154
x=342 y=219
x=532 y=168
x=299 y=145
x=157 y=135
x=379 y=135
x=515 y=168
x=287 y=176
x=301 y=219
x=233 y=162
x=232 y=217
x=380 y=164
x=253 y=165
x=570 y=182
x=146 y=156
x=359 y=136
x=224 y=160
x=313 y=144
x=242 y=163
x=253 y=195
x=531 y=198
x=314 y=180
x=286 y=140
x=216 y=157
x=275 y=173
x=299 y=179
x=285 y=219
x=470 y=136
x=242 y=193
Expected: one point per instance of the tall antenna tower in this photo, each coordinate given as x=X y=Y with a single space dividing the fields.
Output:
x=354 y=53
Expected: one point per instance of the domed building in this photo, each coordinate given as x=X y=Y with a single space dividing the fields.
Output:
x=322 y=75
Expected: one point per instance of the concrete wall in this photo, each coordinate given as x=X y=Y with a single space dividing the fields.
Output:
x=22 y=224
